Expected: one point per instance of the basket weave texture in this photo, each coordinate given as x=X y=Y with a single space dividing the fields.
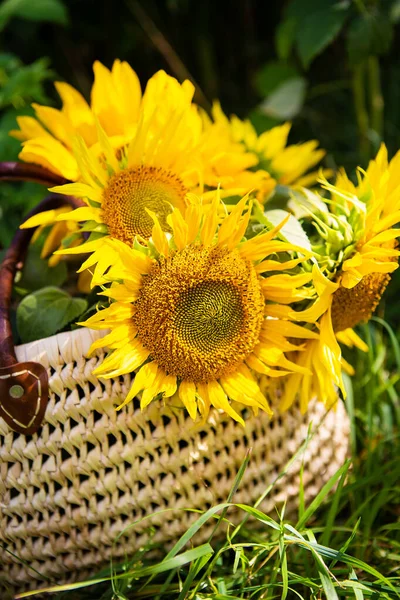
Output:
x=68 y=491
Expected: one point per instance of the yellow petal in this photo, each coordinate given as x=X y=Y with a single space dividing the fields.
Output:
x=108 y=317
x=44 y=218
x=158 y=235
x=193 y=217
x=83 y=248
x=84 y=213
x=56 y=122
x=232 y=223
x=123 y=360
x=179 y=228
x=331 y=350
x=114 y=338
x=144 y=377
x=347 y=367
x=218 y=399
x=120 y=293
x=210 y=221
x=30 y=128
x=275 y=265
x=54 y=239
x=51 y=154
x=263 y=247
x=107 y=148
x=128 y=88
x=241 y=386
x=257 y=365
x=80 y=190
x=203 y=400
x=350 y=339
x=187 y=394
x=168 y=384
x=289 y=329
x=312 y=314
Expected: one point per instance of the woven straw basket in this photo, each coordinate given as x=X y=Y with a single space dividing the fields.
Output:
x=69 y=489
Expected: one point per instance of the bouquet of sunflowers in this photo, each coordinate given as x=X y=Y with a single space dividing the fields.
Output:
x=221 y=268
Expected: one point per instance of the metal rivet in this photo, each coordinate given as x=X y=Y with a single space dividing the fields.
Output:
x=16 y=391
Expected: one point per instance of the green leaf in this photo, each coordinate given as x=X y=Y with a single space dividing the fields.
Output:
x=23 y=84
x=47 y=311
x=9 y=147
x=37 y=274
x=259 y=515
x=301 y=9
x=370 y=34
x=285 y=36
x=95 y=227
x=318 y=30
x=36 y=10
x=322 y=494
x=286 y=101
x=15 y=202
x=292 y=231
x=272 y=75
x=395 y=12
x=326 y=579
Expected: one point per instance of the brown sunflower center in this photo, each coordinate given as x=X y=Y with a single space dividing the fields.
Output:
x=130 y=192
x=351 y=306
x=200 y=312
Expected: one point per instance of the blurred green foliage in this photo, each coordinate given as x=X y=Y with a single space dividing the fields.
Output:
x=19 y=86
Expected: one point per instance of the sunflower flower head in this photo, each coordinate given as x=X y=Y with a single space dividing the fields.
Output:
x=188 y=310
x=355 y=237
x=152 y=172
x=163 y=154
x=271 y=160
x=356 y=246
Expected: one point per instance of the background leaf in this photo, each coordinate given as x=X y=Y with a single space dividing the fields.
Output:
x=369 y=34
x=286 y=101
x=33 y=10
x=37 y=274
x=292 y=231
x=284 y=37
x=272 y=75
x=47 y=311
x=318 y=30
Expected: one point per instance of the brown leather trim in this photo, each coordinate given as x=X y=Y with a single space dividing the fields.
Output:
x=25 y=413
x=15 y=171
x=22 y=407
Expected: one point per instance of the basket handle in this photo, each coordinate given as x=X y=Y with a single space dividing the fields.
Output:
x=23 y=386
x=15 y=171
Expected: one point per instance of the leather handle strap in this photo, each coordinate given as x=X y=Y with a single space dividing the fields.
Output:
x=15 y=171
x=23 y=386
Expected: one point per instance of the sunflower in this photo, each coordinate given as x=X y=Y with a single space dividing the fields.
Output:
x=359 y=237
x=154 y=171
x=271 y=161
x=165 y=156
x=57 y=232
x=188 y=310
x=115 y=102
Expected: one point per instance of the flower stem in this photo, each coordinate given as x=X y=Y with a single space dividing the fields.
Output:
x=376 y=97
x=361 y=111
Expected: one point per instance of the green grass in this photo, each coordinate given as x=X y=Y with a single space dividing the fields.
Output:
x=345 y=543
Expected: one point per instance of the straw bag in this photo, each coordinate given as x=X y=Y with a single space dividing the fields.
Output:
x=74 y=472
